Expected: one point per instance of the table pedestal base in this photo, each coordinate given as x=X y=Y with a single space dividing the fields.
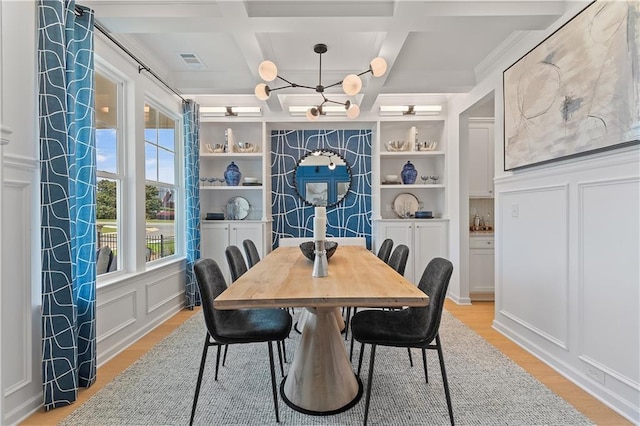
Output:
x=304 y=314
x=321 y=380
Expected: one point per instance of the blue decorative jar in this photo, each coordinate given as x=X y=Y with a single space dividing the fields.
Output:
x=232 y=175
x=409 y=173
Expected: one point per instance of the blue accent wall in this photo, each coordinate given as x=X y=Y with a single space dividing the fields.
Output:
x=291 y=216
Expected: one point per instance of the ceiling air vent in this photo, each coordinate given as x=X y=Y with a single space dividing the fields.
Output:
x=192 y=61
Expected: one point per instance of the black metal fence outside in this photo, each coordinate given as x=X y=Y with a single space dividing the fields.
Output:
x=158 y=246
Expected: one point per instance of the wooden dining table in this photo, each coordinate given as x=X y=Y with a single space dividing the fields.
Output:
x=320 y=380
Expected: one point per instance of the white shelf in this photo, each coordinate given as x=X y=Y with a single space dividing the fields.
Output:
x=232 y=155
x=231 y=188
x=412 y=186
x=410 y=153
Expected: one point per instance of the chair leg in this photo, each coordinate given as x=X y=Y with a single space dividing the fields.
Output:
x=217 y=361
x=224 y=357
x=368 y=398
x=424 y=364
x=444 y=379
x=351 y=350
x=199 y=382
x=280 y=357
x=410 y=357
x=273 y=381
x=360 y=358
x=284 y=351
x=346 y=323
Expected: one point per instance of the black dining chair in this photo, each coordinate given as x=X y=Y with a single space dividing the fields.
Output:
x=251 y=251
x=226 y=327
x=398 y=261
x=385 y=250
x=238 y=267
x=383 y=254
x=414 y=327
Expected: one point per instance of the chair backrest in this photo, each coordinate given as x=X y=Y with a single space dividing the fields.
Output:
x=398 y=259
x=251 y=252
x=434 y=282
x=385 y=250
x=104 y=257
x=292 y=242
x=237 y=266
x=210 y=283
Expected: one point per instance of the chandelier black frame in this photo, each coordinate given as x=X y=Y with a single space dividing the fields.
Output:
x=351 y=84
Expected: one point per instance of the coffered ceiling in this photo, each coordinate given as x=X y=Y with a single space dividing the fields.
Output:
x=211 y=49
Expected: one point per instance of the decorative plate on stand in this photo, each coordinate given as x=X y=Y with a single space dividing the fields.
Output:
x=405 y=205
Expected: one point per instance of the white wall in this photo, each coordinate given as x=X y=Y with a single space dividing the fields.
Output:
x=128 y=305
x=567 y=274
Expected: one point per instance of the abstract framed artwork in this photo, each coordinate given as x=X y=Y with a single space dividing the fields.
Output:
x=578 y=91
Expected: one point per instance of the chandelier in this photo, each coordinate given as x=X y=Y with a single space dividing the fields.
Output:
x=351 y=84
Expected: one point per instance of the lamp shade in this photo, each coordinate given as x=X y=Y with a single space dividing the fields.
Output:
x=352 y=85
x=313 y=114
x=262 y=91
x=353 y=111
x=378 y=66
x=268 y=71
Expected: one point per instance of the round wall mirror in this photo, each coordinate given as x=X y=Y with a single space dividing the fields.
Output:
x=322 y=178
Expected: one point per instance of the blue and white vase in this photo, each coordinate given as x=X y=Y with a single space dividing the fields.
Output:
x=409 y=174
x=232 y=175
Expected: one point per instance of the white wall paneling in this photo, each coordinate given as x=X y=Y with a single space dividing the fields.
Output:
x=579 y=221
x=166 y=291
x=20 y=331
x=535 y=269
x=609 y=277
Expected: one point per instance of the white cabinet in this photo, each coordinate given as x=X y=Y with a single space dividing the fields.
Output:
x=216 y=236
x=428 y=163
x=481 y=152
x=425 y=238
x=481 y=267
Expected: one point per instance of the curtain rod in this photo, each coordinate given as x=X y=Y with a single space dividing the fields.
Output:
x=141 y=66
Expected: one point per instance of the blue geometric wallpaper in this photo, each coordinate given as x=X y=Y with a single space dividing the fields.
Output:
x=291 y=216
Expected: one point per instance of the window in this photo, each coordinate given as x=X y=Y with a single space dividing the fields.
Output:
x=161 y=172
x=108 y=111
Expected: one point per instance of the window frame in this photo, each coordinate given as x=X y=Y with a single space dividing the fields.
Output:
x=120 y=176
x=177 y=187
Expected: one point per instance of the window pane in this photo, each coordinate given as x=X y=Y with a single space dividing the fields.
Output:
x=160 y=236
x=166 y=166
x=107 y=220
x=150 y=161
x=167 y=138
x=106 y=150
x=151 y=135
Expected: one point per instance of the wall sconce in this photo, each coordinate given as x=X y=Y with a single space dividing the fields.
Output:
x=234 y=111
x=410 y=109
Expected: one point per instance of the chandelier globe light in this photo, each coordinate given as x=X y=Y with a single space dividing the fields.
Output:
x=351 y=84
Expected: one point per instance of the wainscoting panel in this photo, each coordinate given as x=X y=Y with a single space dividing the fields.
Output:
x=534 y=289
x=291 y=216
x=163 y=291
x=114 y=314
x=21 y=304
x=17 y=350
x=609 y=249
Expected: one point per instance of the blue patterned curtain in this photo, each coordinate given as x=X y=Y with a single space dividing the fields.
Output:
x=68 y=209
x=191 y=120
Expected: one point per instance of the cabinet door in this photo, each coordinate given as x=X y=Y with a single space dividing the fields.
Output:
x=481 y=274
x=214 y=240
x=481 y=160
x=400 y=233
x=246 y=231
x=430 y=240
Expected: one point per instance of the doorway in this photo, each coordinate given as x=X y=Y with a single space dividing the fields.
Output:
x=477 y=226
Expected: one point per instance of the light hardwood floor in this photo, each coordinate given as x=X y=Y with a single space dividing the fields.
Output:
x=478 y=317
